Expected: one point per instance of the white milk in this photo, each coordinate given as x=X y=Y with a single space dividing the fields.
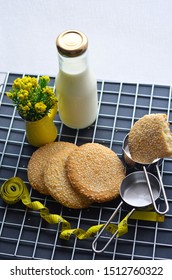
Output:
x=77 y=94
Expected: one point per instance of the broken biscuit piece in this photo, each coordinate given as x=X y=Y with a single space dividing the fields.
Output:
x=150 y=138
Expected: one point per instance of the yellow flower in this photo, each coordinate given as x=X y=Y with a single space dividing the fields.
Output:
x=17 y=83
x=23 y=94
x=34 y=82
x=54 y=100
x=46 y=78
x=22 y=85
x=28 y=86
x=48 y=91
x=26 y=108
x=29 y=104
x=26 y=79
x=26 y=94
x=40 y=107
x=10 y=95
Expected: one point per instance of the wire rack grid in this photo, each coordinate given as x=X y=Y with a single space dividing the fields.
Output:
x=24 y=235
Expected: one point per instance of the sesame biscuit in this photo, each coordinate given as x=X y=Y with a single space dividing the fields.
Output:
x=150 y=138
x=39 y=160
x=58 y=184
x=96 y=172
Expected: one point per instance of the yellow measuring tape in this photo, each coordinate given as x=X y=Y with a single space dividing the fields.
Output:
x=14 y=190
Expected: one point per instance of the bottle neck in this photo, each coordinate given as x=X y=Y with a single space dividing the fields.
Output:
x=73 y=65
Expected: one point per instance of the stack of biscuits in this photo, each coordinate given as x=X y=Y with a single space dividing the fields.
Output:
x=76 y=176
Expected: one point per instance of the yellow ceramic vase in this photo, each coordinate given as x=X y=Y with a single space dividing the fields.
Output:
x=43 y=131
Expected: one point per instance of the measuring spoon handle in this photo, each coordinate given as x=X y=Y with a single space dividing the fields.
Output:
x=102 y=230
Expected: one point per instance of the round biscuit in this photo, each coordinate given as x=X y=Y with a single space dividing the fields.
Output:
x=58 y=184
x=38 y=162
x=96 y=172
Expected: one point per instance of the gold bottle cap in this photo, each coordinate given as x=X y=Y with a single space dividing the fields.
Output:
x=72 y=43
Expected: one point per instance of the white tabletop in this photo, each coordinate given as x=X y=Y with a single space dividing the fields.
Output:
x=129 y=40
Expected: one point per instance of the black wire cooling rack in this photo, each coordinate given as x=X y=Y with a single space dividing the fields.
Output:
x=24 y=235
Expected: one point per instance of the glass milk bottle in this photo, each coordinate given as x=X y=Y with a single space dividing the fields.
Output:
x=76 y=85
